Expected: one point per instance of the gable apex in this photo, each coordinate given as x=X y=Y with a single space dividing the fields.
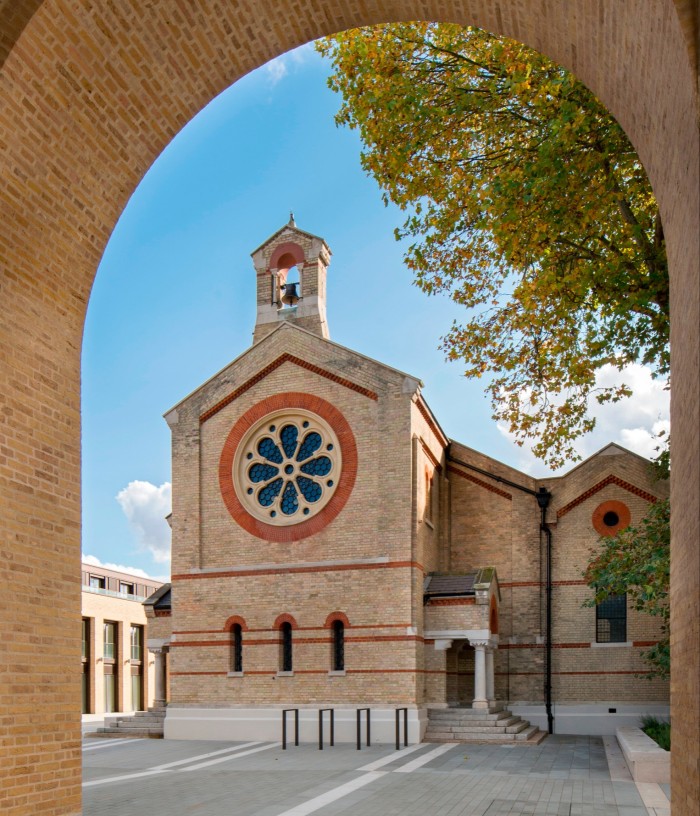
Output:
x=409 y=383
x=289 y=231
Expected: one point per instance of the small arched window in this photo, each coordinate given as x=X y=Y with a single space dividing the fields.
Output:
x=286 y=653
x=237 y=648
x=338 y=645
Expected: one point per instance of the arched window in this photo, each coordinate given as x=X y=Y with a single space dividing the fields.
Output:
x=338 y=645
x=237 y=648
x=286 y=652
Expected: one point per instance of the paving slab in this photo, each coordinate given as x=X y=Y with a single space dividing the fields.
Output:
x=563 y=776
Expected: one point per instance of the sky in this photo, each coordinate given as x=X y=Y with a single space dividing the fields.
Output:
x=174 y=299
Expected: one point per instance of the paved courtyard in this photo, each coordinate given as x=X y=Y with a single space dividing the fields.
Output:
x=563 y=776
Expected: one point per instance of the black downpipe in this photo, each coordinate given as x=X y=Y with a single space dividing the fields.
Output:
x=543 y=499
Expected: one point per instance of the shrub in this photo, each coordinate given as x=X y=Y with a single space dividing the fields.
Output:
x=658 y=730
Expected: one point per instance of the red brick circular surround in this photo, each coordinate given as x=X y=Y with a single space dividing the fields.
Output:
x=621 y=510
x=304 y=529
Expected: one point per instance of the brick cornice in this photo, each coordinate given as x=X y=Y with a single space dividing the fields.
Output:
x=428 y=417
x=431 y=456
x=275 y=364
x=608 y=480
x=474 y=480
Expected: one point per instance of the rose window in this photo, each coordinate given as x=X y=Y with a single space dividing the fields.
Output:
x=287 y=467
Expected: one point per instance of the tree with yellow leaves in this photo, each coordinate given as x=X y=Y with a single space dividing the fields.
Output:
x=525 y=202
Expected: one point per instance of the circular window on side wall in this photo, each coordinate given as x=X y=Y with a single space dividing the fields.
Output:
x=286 y=473
x=610 y=517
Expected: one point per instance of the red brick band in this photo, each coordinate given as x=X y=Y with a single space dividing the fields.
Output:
x=474 y=480
x=630 y=488
x=451 y=601
x=284 y=358
x=567 y=673
x=180 y=644
x=521 y=584
x=431 y=422
x=298 y=629
x=287 y=570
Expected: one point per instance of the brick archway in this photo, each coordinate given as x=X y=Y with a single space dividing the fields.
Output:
x=91 y=94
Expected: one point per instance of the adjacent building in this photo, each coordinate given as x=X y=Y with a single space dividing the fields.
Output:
x=117 y=670
x=332 y=547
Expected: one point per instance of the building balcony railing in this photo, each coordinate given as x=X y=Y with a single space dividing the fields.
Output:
x=128 y=596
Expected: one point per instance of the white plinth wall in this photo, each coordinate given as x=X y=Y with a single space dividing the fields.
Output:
x=265 y=724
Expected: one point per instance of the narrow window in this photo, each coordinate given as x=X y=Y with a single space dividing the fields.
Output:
x=136 y=642
x=286 y=630
x=236 y=648
x=125 y=588
x=338 y=646
x=97 y=582
x=110 y=666
x=86 y=665
x=611 y=620
x=137 y=671
x=109 y=640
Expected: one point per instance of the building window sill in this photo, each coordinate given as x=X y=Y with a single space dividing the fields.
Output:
x=285 y=674
x=337 y=673
x=235 y=674
x=622 y=643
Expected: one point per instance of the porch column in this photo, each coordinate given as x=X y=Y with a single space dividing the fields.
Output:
x=480 y=700
x=159 y=672
x=490 y=684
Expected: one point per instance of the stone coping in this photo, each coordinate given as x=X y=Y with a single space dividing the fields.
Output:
x=645 y=759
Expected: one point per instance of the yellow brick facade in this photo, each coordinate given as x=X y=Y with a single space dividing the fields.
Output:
x=419 y=504
x=639 y=57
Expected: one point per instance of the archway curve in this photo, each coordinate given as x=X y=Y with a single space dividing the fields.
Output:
x=91 y=95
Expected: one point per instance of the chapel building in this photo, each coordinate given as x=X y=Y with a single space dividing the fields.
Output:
x=332 y=548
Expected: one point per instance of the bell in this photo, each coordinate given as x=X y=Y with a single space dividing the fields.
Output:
x=290 y=296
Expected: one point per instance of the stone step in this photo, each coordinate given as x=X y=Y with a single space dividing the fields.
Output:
x=479 y=725
x=140 y=724
x=531 y=736
x=113 y=733
x=466 y=722
x=513 y=726
x=125 y=725
x=526 y=733
x=467 y=709
x=467 y=713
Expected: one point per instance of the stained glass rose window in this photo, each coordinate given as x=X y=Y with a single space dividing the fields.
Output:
x=287 y=467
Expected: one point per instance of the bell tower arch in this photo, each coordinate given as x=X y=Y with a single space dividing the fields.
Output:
x=291 y=268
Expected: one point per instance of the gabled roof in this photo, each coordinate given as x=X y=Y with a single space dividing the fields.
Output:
x=449 y=586
x=291 y=227
x=273 y=339
x=160 y=599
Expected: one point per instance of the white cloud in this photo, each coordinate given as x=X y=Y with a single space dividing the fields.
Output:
x=276 y=69
x=94 y=561
x=279 y=67
x=145 y=507
x=634 y=422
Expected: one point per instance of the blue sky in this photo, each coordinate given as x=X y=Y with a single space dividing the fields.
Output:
x=174 y=299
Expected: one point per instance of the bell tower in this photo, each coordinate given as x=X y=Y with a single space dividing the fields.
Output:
x=291 y=269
